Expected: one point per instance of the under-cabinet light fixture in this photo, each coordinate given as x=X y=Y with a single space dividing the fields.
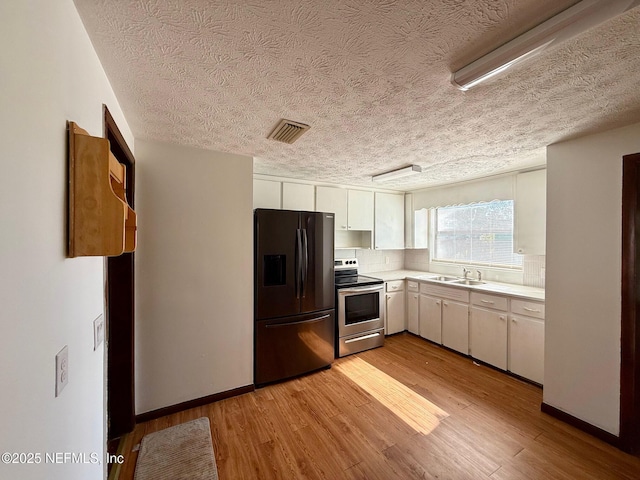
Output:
x=567 y=24
x=399 y=173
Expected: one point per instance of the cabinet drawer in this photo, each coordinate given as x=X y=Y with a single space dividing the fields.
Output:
x=413 y=286
x=528 y=308
x=452 y=293
x=489 y=301
x=395 y=286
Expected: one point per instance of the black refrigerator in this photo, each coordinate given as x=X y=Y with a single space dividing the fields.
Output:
x=294 y=293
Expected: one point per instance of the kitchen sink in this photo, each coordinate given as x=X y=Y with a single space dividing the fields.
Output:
x=442 y=278
x=469 y=282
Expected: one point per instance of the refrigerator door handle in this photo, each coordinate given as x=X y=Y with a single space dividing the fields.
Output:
x=305 y=263
x=298 y=262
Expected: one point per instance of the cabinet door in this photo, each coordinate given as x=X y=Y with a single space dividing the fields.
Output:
x=455 y=326
x=266 y=194
x=331 y=199
x=530 y=213
x=298 y=196
x=360 y=210
x=395 y=312
x=413 y=302
x=526 y=347
x=430 y=318
x=389 y=221
x=488 y=336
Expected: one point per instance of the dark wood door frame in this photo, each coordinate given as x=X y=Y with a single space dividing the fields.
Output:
x=630 y=324
x=120 y=308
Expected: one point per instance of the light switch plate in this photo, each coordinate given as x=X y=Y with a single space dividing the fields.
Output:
x=98 y=331
x=62 y=369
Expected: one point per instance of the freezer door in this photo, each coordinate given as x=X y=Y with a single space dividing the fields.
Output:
x=277 y=263
x=318 y=287
x=291 y=346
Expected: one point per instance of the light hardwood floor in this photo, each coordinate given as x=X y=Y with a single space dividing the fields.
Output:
x=407 y=410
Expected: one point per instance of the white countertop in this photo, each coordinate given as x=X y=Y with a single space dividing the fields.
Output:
x=513 y=290
x=389 y=275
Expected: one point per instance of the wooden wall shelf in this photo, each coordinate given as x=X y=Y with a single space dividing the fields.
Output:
x=101 y=223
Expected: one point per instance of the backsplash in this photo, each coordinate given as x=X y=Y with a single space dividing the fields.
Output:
x=374 y=260
x=533 y=270
x=416 y=259
x=380 y=260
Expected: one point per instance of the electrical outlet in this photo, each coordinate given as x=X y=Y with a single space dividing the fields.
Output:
x=386 y=260
x=98 y=332
x=62 y=369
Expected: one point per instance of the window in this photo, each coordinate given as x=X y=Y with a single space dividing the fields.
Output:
x=480 y=234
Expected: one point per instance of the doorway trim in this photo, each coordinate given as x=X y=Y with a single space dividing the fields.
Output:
x=120 y=307
x=630 y=321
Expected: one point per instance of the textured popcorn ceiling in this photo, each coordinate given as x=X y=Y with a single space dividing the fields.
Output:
x=372 y=78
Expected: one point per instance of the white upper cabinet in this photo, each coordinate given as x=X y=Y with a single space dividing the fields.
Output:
x=359 y=210
x=530 y=224
x=389 y=221
x=298 y=196
x=333 y=200
x=266 y=194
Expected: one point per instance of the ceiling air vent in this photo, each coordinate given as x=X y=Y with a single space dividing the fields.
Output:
x=288 y=132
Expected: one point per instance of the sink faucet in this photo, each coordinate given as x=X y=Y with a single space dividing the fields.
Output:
x=465 y=272
x=479 y=275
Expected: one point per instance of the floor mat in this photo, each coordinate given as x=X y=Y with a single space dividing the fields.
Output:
x=178 y=453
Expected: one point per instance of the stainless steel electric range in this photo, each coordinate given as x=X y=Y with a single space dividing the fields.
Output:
x=359 y=309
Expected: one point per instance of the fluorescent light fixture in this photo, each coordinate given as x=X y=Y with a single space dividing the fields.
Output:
x=567 y=24
x=399 y=173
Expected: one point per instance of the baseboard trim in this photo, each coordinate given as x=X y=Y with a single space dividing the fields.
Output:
x=198 y=402
x=581 y=425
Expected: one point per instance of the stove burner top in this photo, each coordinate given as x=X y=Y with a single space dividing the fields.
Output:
x=346 y=275
x=356 y=281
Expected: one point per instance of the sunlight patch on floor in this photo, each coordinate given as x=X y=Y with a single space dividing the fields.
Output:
x=412 y=408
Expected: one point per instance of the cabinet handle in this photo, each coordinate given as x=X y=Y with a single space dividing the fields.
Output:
x=501 y=317
x=445 y=304
x=532 y=310
x=514 y=320
x=344 y=226
x=415 y=296
x=487 y=301
x=437 y=302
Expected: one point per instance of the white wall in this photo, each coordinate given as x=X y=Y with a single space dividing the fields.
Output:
x=194 y=274
x=583 y=281
x=49 y=74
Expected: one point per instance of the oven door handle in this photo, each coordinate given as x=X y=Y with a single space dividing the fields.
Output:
x=347 y=291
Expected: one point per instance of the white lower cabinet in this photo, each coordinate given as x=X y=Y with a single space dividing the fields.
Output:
x=503 y=331
x=430 y=318
x=455 y=326
x=444 y=316
x=394 y=306
x=488 y=329
x=413 y=307
x=488 y=336
x=526 y=340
